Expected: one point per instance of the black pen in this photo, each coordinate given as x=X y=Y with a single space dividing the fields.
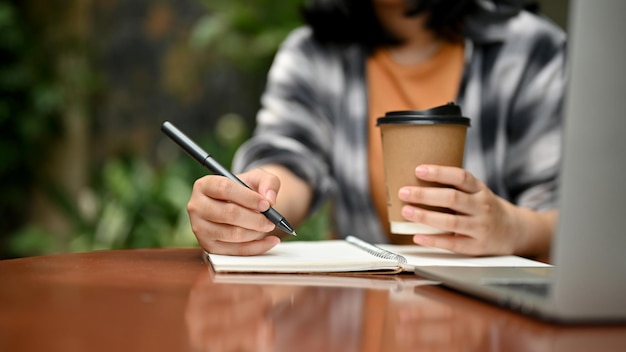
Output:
x=207 y=161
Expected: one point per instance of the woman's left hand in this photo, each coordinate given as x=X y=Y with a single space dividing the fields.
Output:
x=483 y=223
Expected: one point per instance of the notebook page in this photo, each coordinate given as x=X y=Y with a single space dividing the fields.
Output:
x=304 y=257
x=425 y=256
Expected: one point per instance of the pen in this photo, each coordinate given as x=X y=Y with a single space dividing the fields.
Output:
x=207 y=161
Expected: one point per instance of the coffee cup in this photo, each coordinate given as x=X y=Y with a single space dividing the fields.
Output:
x=415 y=137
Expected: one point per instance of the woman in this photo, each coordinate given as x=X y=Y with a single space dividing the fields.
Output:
x=356 y=60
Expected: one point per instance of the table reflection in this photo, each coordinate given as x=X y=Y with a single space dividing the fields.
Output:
x=169 y=300
x=228 y=317
x=490 y=328
x=249 y=317
x=281 y=317
x=418 y=323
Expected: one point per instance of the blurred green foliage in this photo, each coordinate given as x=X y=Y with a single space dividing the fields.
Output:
x=132 y=205
x=246 y=32
x=129 y=202
x=30 y=101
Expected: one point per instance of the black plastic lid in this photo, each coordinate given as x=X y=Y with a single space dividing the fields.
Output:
x=444 y=114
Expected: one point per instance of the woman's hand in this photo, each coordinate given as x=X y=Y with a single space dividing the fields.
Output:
x=226 y=216
x=484 y=224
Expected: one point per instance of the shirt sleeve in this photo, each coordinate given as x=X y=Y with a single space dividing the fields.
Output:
x=534 y=129
x=292 y=126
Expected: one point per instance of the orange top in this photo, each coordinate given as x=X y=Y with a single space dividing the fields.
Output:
x=393 y=86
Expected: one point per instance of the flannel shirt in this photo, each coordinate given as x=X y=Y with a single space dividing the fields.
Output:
x=313 y=117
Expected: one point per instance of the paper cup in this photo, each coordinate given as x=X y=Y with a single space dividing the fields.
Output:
x=414 y=137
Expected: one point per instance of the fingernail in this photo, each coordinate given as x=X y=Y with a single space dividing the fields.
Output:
x=404 y=193
x=407 y=212
x=421 y=170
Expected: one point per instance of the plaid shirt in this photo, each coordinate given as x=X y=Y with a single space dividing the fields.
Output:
x=314 y=117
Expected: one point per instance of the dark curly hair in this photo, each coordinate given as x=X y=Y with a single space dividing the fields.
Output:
x=354 y=21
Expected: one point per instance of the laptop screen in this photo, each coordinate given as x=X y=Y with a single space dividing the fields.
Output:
x=590 y=245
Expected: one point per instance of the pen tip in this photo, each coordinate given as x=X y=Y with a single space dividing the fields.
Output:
x=293 y=233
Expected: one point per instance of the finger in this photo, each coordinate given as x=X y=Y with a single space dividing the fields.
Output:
x=207 y=213
x=455 y=243
x=448 y=222
x=222 y=188
x=207 y=231
x=448 y=175
x=438 y=197
x=245 y=248
x=264 y=182
x=229 y=213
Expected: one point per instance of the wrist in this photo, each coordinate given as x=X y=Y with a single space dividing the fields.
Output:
x=537 y=229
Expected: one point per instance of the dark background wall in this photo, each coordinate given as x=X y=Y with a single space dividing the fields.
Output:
x=148 y=72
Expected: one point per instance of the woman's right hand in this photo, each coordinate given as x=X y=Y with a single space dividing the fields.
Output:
x=226 y=216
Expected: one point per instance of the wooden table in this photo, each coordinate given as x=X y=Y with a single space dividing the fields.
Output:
x=170 y=300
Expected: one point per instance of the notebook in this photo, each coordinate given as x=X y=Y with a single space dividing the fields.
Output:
x=588 y=280
x=352 y=255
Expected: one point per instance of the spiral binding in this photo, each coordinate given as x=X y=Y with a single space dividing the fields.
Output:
x=375 y=250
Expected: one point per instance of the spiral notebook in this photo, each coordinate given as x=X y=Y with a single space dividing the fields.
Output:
x=353 y=255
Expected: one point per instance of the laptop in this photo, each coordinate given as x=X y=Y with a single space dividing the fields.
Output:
x=587 y=283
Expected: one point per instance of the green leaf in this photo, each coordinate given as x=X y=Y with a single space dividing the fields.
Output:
x=208 y=31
